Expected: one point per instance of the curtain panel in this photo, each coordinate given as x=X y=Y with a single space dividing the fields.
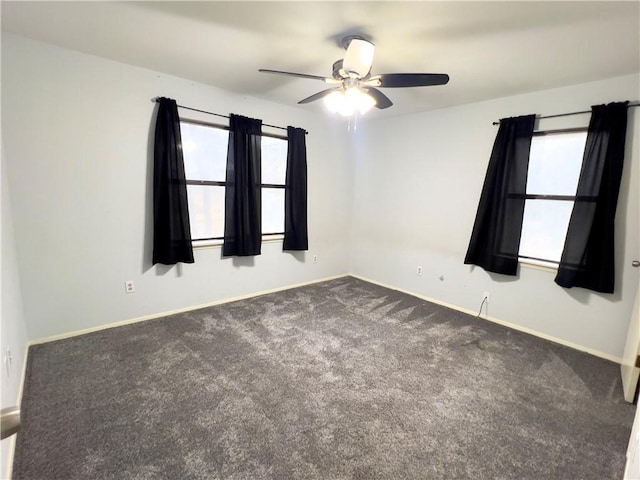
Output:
x=171 y=230
x=295 y=196
x=243 y=194
x=588 y=258
x=495 y=239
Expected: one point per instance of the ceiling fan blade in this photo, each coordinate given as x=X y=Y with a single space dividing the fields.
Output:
x=395 y=80
x=359 y=57
x=317 y=96
x=293 y=74
x=382 y=101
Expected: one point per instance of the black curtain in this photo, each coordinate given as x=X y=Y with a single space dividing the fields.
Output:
x=243 y=194
x=171 y=231
x=495 y=239
x=588 y=257
x=295 y=196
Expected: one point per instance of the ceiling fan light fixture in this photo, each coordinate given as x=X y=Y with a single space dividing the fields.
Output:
x=365 y=102
x=334 y=101
x=354 y=72
x=346 y=102
x=348 y=99
x=346 y=110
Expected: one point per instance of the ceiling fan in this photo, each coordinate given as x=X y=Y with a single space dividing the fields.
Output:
x=355 y=88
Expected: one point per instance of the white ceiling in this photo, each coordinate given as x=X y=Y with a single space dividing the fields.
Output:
x=489 y=49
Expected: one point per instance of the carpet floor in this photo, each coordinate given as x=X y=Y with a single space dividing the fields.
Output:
x=337 y=380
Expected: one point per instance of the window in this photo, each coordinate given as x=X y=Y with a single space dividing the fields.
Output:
x=204 y=148
x=554 y=168
x=274 y=171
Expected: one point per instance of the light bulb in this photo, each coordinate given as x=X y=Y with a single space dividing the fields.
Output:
x=334 y=101
x=365 y=102
x=346 y=102
x=352 y=97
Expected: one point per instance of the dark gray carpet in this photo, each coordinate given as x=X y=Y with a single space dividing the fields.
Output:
x=338 y=380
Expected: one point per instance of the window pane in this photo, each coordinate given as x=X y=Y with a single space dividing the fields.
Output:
x=206 y=211
x=272 y=210
x=274 y=160
x=205 y=152
x=544 y=228
x=555 y=162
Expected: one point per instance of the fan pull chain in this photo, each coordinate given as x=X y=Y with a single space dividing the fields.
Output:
x=355 y=122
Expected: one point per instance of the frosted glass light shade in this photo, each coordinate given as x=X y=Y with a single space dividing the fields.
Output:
x=346 y=102
x=334 y=101
x=359 y=57
x=365 y=102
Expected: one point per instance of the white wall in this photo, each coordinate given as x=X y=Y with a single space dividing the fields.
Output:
x=13 y=332
x=417 y=184
x=76 y=130
x=76 y=134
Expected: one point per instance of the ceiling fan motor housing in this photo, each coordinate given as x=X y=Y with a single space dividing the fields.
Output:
x=338 y=73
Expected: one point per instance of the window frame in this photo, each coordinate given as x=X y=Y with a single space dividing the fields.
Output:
x=536 y=261
x=216 y=241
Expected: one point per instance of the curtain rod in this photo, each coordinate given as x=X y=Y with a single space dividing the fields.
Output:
x=635 y=104
x=155 y=100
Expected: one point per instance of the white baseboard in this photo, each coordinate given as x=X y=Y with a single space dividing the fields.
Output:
x=513 y=326
x=12 y=445
x=152 y=316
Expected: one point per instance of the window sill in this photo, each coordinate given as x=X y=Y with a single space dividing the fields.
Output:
x=202 y=244
x=198 y=244
x=538 y=265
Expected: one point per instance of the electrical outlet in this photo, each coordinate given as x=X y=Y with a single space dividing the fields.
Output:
x=315 y=259
x=129 y=287
x=485 y=297
x=418 y=270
